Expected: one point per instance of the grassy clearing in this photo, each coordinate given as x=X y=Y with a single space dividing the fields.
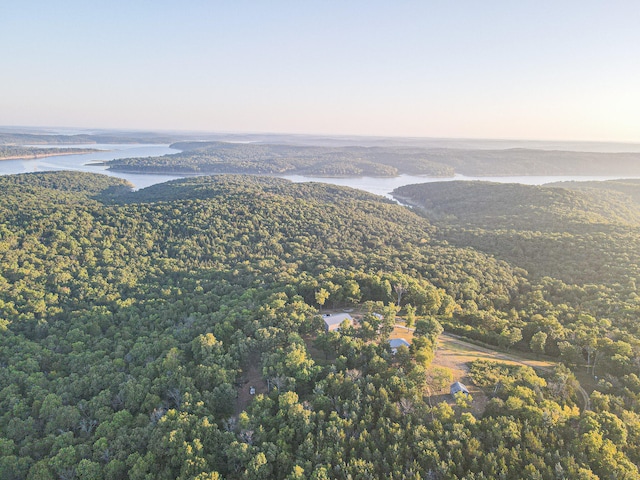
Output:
x=456 y=353
x=402 y=332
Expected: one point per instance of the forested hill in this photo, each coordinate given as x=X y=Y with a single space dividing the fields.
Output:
x=132 y=325
x=210 y=187
x=580 y=235
x=66 y=184
x=628 y=187
x=517 y=206
x=252 y=158
x=15 y=152
x=524 y=161
x=387 y=161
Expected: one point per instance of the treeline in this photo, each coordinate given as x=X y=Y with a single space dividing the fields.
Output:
x=9 y=152
x=130 y=322
x=524 y=161
x=252 y=158
x=353 y=161
x=7 y=138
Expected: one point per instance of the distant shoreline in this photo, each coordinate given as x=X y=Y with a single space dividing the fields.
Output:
x=33 y=156
x=152 y=171
x=277 y=175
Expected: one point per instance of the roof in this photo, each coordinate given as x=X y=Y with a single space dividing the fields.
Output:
x=458 y=387
x=398 y=342
x=333 y=320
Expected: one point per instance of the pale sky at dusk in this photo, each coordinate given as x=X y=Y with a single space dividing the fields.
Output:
x=557 y=70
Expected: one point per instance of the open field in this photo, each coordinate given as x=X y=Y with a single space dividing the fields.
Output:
x=455 y=353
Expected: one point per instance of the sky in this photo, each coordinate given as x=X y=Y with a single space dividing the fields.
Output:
x=505 y=69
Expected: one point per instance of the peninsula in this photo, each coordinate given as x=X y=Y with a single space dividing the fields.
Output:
x=13 y=152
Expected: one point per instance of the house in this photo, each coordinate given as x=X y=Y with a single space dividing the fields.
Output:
x=458 y=387
x=332 y=321
x=395 y=343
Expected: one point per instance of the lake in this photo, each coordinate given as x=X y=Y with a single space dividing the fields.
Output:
x=376 y=185
x=86 y=162
x=384 y=186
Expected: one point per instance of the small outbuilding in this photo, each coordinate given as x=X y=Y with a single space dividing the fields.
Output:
x=396 y=343
x=458 y=387
x=332 y=321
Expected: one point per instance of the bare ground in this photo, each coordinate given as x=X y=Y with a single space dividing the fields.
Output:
x=250 y=378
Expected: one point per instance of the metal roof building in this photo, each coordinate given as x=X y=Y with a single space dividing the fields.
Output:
x=458 y=387
x=332 y=321
x=395 y=343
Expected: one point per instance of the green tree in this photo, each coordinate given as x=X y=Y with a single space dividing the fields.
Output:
x=321 y=296
x=510 y=336
x=538 y=342
x=410 y=316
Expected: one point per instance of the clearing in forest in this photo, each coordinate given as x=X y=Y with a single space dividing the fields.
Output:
x=456 y=354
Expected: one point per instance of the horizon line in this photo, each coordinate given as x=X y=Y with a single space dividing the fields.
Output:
x=90 y=130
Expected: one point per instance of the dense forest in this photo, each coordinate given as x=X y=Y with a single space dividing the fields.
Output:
x=579 y=245
x=579 y=235
x=629 y=187
x=524 y=161
x=376 y=161
x=253 y=158
x=133 y=323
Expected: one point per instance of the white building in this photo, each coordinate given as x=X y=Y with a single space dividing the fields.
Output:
x=332 y=321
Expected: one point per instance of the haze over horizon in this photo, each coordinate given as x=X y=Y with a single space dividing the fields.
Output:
x=526 y=70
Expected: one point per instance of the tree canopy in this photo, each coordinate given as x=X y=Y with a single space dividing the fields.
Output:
x=132 y=323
